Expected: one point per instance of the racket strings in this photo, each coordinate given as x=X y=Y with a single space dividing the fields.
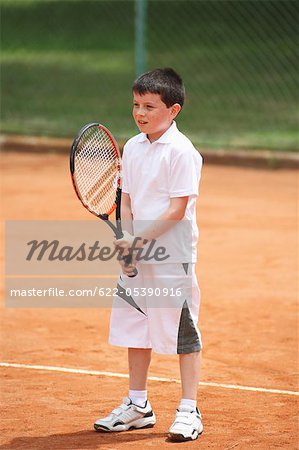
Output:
x=97 y=170
x=102 y=194
x=101 y=184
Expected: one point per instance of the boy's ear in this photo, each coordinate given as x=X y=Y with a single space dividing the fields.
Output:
x=175 y=109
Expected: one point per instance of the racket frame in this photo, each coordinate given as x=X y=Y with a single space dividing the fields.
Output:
x=117 y=230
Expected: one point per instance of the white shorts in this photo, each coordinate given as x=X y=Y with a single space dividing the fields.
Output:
x=157 y=309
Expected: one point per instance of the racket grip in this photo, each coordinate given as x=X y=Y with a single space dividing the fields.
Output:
x=128 y=259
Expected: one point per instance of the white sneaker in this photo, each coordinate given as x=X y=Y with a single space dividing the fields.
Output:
x=187 y=425
x=126 y=417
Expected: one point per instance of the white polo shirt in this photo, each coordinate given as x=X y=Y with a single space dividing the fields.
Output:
x=153 y=173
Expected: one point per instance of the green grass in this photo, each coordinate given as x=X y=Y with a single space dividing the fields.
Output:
x=65 y=63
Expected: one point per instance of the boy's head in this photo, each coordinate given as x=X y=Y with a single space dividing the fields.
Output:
x=158 y=98
x=165 y=82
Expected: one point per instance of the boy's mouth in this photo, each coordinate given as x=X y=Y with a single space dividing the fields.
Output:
x=141 y=122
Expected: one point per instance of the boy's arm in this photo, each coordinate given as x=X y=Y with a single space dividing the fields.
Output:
x=168 y=219
x=174 y=213
x=126 y=213
x=127 y=229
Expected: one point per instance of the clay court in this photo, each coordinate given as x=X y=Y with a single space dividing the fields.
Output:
x=247 y=273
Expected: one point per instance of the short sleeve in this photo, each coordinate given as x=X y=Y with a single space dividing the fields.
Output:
x=124 y=173
x=185 y=173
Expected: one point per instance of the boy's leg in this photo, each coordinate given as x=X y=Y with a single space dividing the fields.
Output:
x=187 y=424
x=139 y=361
x=136 y=410
x=129 y=328
x=190 y=371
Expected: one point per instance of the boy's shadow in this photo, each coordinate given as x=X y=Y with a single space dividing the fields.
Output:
x=80 y=440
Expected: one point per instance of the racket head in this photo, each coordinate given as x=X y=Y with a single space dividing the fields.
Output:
x=95 y=165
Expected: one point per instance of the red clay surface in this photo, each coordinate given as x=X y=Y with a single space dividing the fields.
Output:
x=247 y=272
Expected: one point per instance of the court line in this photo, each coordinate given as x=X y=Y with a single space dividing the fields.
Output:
x=159 y=379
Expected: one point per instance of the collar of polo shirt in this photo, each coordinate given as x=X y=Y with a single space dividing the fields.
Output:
x=164 y=139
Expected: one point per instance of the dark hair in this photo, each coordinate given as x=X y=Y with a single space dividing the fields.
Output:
x=165 y=82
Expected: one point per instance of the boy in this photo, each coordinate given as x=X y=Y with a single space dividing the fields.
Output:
x=161 y=173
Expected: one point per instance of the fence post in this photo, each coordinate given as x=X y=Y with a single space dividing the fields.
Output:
x=140 y=39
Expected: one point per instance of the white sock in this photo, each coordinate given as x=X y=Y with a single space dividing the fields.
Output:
x=138 y=397
x=188 y=402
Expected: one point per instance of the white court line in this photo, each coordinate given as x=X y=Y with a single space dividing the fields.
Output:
x=160 y=379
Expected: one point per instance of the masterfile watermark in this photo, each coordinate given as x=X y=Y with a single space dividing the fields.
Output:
x=76 y=264
x=54 y=250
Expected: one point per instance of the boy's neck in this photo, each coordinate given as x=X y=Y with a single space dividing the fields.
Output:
x=152 y=140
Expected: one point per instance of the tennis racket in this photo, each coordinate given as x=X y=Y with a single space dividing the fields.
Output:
x=95 y=164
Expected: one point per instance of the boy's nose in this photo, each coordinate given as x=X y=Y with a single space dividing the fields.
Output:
x=141 y=112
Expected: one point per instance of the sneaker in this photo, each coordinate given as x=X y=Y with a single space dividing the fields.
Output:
x=187 y=425
x=126 y=417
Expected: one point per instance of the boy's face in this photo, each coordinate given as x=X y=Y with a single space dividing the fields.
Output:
x=152 y=115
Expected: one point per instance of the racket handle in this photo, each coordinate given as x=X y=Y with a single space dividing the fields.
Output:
x=128 y=259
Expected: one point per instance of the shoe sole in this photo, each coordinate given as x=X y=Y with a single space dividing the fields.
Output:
x=106 y=430
x=174 y=437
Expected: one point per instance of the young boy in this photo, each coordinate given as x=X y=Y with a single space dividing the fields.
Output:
x=161 y=173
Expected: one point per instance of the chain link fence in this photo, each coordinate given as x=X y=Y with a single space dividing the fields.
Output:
x=65 y=63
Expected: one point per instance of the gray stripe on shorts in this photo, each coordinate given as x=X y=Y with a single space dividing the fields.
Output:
x=185 y=266
x=188 y=338
x=121 y=292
